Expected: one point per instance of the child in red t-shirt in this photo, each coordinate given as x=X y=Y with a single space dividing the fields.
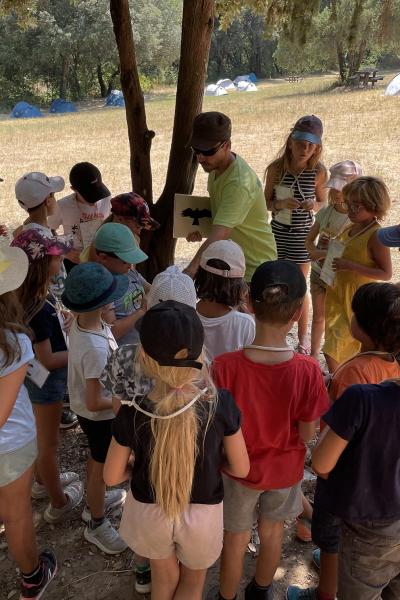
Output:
x=281 y=395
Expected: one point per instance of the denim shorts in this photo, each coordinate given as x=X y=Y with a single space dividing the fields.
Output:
x=53 y=390
x=369 y=561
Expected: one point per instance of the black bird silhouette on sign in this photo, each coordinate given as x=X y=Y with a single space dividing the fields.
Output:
x=196 y=214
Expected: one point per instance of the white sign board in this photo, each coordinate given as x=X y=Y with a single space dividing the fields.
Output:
x=192 y=213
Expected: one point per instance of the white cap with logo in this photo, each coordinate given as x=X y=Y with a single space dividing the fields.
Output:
x=33 y=188
x=172 y=284
x=342 y=173
x=227 y=251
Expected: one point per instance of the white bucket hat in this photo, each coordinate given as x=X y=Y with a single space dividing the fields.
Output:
x=229 y=252
x=14 y=265
x=172 y=284
x=342 y=173
x=33 y=188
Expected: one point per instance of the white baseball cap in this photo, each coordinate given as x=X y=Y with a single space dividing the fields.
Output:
x=172 y=284
x=14 y=265
x=229 y=252
x=342 y=173
x=33 y=188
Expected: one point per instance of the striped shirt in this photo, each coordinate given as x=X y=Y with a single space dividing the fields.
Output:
x=303 y=188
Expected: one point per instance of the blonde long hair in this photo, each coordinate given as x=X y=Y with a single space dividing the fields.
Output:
x=176 y=440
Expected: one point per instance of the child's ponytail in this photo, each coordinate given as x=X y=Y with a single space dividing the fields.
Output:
x=175 y=446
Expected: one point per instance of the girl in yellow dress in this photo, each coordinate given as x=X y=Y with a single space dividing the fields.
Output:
x=364 y=259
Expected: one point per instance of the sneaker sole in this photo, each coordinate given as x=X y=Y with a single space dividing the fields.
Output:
x=69 y=425
x=86 y=517
x=96 y=542
x=49 y=519
x=43 y=590
x=143 y=589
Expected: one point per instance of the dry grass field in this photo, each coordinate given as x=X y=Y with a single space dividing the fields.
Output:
x=360 y=125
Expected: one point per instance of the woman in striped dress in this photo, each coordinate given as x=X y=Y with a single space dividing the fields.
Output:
x=294 y=190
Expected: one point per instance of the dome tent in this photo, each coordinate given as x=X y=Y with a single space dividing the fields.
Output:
x=227 y=84
x=250 y=77
x=246 y=86
x=24 y=110
x=60 y=106
x=393 y=89
x=214 y=90
x=115 y=98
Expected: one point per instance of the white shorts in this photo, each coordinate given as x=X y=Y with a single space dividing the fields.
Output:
x=196 y=538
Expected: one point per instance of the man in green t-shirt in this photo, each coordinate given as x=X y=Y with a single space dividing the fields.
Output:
x=238 y=206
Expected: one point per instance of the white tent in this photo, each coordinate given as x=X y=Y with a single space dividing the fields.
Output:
x=246 y=86
x=393 y=89
x=214 y=90
x=227 y=84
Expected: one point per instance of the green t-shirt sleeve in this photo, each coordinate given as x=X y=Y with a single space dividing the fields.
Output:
x=234 y=206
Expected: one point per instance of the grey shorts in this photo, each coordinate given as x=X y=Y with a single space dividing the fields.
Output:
x=14 y=464
x=243 y=505
x=369 y=561
x=317 y=286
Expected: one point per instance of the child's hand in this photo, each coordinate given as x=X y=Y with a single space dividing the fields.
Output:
x=143 y=305
x=68 y=319
x=291 y=203
x=308 y=205
x=194 y=236
x=317 y=254
x=73 y=255
x=341 y=264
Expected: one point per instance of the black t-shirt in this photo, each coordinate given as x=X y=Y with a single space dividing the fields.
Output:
x=365 y=483
x=132 y=428
x=46 y=326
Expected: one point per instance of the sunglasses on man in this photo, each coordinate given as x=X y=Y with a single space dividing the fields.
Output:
x=209 y=152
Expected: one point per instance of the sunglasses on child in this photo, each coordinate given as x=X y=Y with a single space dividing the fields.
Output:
x=209 y=152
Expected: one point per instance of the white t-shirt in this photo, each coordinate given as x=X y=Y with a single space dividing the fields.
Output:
x=20 y=428
x=227 y=333
x=88 y=355
x=79 y=219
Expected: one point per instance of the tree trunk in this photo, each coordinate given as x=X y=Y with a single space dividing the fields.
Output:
x=140 y=136
x=197 y=27
x=341 y=61
x=64 y=75
x=100 y=78
x=111 y=82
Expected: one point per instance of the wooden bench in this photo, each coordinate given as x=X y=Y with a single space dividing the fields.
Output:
x=294 y=78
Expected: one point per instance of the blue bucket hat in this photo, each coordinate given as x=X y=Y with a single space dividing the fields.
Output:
x=118 y=239
x=390 y=236
x=89 y=286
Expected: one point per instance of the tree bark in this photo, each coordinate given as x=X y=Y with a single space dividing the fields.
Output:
x=100 y=79
x=64 y=75
x=197 y=27
x=140 y=136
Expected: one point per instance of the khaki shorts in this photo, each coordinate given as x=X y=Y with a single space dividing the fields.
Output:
x=317 y=286
x=243 y=505
x=14 y=464
x=196 y=539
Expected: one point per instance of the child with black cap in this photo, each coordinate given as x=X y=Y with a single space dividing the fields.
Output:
x=281 y=395
x=82 y=212
x=179 y=433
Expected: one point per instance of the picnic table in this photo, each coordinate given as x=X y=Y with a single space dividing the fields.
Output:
x=362 y=78
x=294 y=78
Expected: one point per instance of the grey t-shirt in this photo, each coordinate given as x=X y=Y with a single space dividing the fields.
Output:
x=130 y=303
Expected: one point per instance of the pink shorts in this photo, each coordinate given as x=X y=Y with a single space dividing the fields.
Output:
x=196 y=538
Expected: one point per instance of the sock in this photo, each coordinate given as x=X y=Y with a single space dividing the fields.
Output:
x=323 y=596
x=256 y=592
x=94 y=523
x=142 y=568
x=34 y=577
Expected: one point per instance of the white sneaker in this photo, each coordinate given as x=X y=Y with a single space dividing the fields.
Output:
x=39 y=491
x=106 y=538
x=112 y=499
x=74 y=493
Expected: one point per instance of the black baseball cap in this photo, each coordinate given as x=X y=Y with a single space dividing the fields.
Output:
x=86 y=179
x=278 y=272
x=169 y=327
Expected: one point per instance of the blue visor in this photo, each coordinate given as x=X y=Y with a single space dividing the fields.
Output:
x=307 y=136
x=390 y=236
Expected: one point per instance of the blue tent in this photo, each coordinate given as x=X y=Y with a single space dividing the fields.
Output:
x=23 y=110
x=115 y=98
x=60 y=106
x=252 y=77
